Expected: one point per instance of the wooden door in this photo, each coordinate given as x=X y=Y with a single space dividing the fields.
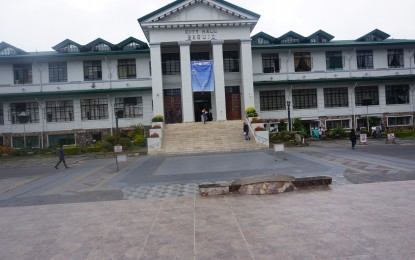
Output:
x=173 y=109
x=233 y=106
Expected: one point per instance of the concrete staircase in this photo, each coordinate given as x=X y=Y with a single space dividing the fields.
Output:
x=210 y=137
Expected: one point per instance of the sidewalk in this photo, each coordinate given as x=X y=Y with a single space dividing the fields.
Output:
x=366 y=221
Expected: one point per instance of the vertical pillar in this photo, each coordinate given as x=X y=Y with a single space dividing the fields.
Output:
x=187 y=92
x=157 y=79
x=247 y=75
x=220 y=101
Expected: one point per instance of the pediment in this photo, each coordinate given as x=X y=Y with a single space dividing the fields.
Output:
x=198 y=13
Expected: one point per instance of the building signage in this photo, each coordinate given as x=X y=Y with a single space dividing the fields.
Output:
x=200 y=34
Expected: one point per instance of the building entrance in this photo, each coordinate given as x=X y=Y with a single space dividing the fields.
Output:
x=172 y=106
x=233 y=103
x=202 y=100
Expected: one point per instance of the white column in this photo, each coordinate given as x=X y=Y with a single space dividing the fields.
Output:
x=247 y=75
x=220 y=101
x=187 y=93
x=157 y=79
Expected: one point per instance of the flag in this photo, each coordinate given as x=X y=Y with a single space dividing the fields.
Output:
x=202 y=76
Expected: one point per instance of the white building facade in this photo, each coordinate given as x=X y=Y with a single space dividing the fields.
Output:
x=83 y=92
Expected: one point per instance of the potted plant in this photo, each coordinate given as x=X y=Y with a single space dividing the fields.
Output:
x=251 y=112
x=255 y=122
x=157 y=120
x=153 y=142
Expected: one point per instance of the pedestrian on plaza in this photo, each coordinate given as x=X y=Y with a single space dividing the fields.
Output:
x=204 y=115
x=246 y=131
x=352 y=137
x=320 y=134
x=61 y=157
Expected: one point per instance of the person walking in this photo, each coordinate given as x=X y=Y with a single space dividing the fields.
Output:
x=246 y=131
x=320 y=134
x=352 y=137
x=204 y=114
x=61 y=157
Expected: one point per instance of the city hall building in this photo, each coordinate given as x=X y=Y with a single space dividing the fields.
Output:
x=85 y=91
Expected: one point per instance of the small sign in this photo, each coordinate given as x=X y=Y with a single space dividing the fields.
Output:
x=279 y=148
x=121 y=157
x=391 y=136
x=118 y=149
x=363 y=138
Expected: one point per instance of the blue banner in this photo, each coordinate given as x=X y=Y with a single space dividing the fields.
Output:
x=202 y=76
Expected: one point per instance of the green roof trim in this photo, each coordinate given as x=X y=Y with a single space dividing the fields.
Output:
x=100 y=41
x=339 y=80
x=263 y=35
x=74 y=92
x=293 y=35
x=323 y=34
x=4 y=45
x=129 y=40
x=65 y=43
x=177 y=2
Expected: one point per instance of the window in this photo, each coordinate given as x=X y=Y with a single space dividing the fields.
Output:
x=399 y=120
x=132 y=46
x=261 y=41
x=59 y=111
x=334 y=60
x=364 y=59
x=332 y=124
x=304 y=98
x=62 y=139
x=366 y=92
x=129 y=107
x=318 y=39
x=8 y=51
x=195 y=56
x=170 y=63
x=270 y=63
x=272 y=100
x=290 y=39
x=101 y=47
x=231 y=61
x=92 y=70
x=94 y=109
x=127 y=69
x=69 y=48
x=31 y=141
x=336 y=97
x=31 y=109
x=58 y=72
x=302 y=61
x=22 y=73
x=398 y=94
x=395 y=58
x=1 y=115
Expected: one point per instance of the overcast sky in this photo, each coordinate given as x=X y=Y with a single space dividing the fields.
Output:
x=41 y=24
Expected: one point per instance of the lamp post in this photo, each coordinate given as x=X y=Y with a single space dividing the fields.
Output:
x=23 y=119
x=366 y=102
x=289 y=115
x=118 y=112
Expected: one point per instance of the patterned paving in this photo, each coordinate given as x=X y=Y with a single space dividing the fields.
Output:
x=161 y=191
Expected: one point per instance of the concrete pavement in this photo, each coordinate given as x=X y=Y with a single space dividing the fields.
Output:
x=365 y=221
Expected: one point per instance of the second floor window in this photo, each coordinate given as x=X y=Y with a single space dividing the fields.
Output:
x=302 y=61
x=58 y=72
x=231 y=61
x=272 y=100
x=395 y=58
x=270 y=63
x=397 y=94
x=366 y=93
x=22 y=73
x=364 y=59
x=304 y=98
x=127 y=69
x=94 y=109
x=92 y=70
x=170 y=63
x=334 y=60
x=336 y=97
x=129 y=107
x=59 y=111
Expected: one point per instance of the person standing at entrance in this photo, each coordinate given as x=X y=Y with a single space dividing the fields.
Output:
x=246 y=131
x=352 y=137
x=61 y=157
x=204 y=114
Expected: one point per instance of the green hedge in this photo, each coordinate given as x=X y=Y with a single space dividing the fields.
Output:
x=405 y=133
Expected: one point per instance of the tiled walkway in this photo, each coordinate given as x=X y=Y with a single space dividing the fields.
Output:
x=366 y=221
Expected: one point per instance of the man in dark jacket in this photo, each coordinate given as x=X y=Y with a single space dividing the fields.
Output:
x=352 y=137
x=246 y=131
x=61 y=157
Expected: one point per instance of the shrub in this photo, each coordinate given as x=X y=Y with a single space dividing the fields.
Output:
x=4 y=149
x=405 y=133
x=298 y=125
x=69 y=150
x=107 y=147
x=110 y=139
x=92 y=149
x=154 y=135
x=139 y=140
x=125 y=142
x=259 y=128
x=157 y=118
x=249 y=110
x=282 y=126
